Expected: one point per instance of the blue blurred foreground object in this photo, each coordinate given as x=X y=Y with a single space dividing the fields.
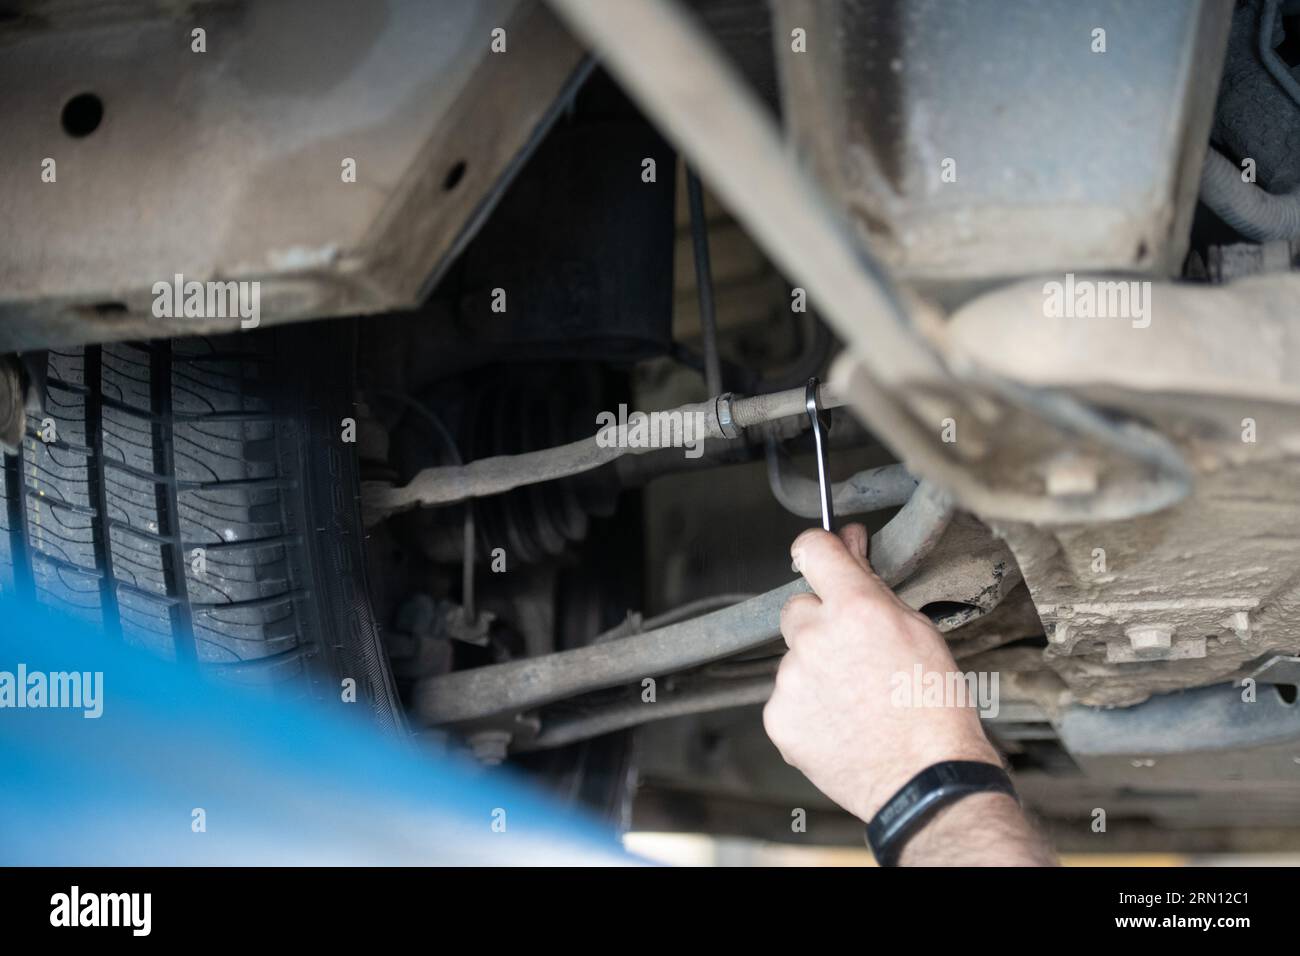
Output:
x=112 y=757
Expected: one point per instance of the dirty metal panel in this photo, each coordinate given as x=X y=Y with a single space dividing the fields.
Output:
x=229 y=163
x=1213 y=743
x=1043 y=175
x=1208 y=719
x=1208 y=589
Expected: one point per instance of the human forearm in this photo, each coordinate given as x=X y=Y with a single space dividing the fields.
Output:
x=984 y=829
x=836 y=715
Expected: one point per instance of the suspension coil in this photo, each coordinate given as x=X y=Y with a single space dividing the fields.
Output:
x=519 y=411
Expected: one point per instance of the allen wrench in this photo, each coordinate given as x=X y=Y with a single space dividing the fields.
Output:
x=820 y=420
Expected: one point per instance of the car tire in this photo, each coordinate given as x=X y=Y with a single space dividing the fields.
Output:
x=199 y=498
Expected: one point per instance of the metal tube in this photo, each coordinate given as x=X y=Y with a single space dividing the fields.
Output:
x=871 y=490
x=491 y=476
x=636 y=625
x=531 y=682
x=1247 y=207
x=713 y=695
x=467 y=567
x=896 y=550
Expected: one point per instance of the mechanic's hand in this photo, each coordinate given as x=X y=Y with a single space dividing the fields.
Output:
x=833 y=713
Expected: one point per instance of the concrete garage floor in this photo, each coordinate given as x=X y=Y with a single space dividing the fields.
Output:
x=689 y=849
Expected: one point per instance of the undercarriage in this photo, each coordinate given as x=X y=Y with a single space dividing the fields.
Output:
x=540 y=290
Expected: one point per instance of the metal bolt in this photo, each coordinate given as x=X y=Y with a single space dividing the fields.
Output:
x=1146 y=637
x=1239 y=622
x=1071 y=475
x=490 y=746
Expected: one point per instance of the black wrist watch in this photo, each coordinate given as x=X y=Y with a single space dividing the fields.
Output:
x=925 y=795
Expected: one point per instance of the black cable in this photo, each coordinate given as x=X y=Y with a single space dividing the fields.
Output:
x=704 y=283
x=427 y=415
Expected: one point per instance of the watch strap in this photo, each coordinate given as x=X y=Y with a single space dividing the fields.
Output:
x=923 y=796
